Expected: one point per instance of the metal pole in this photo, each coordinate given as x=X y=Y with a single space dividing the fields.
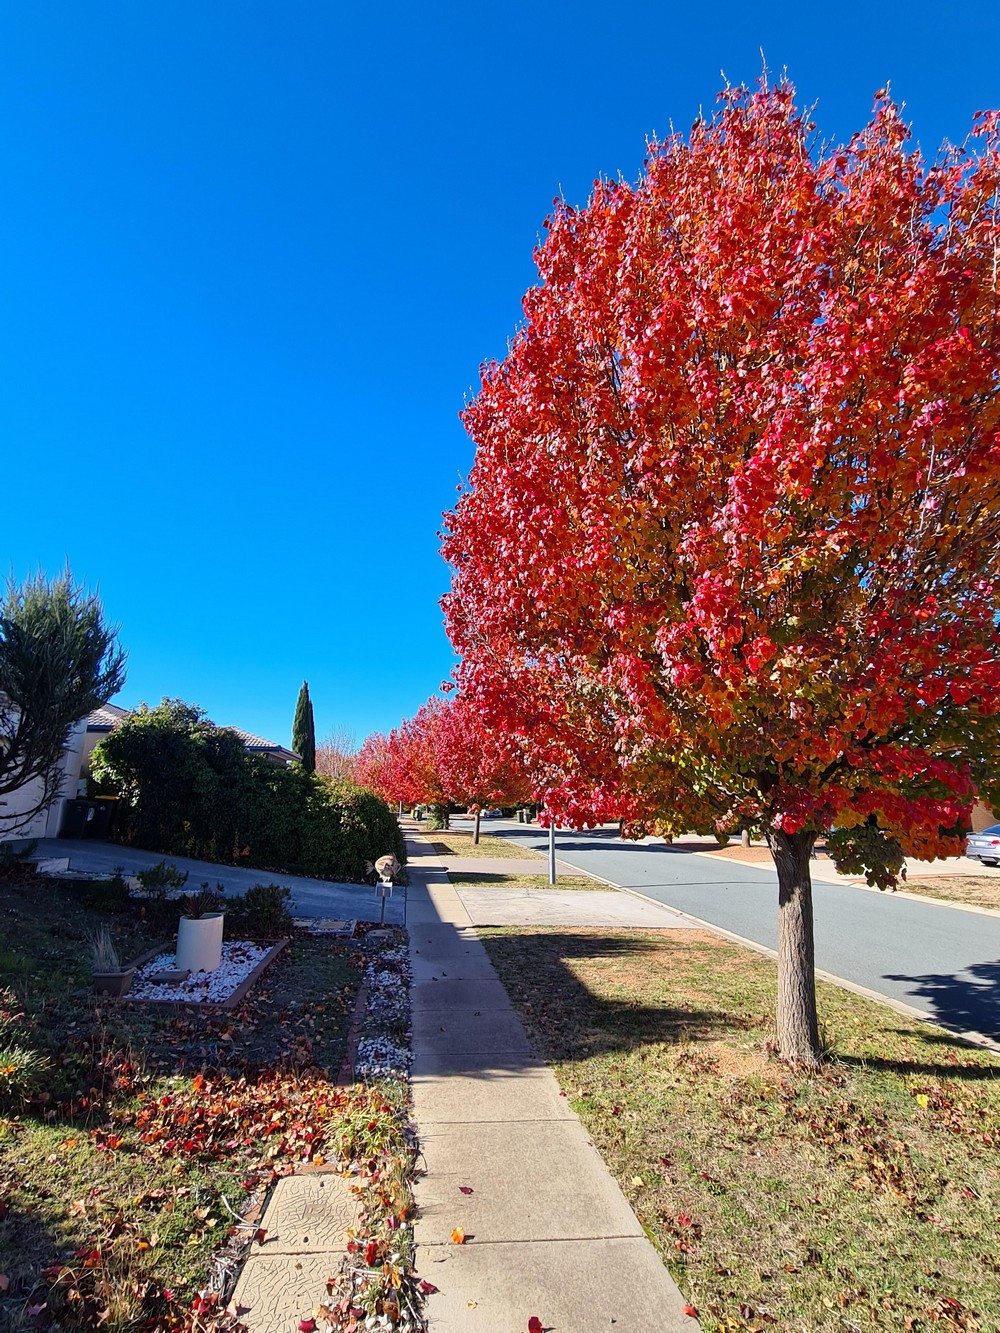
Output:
x=552 y=853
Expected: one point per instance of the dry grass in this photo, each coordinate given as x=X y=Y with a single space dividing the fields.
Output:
x=457 y=842
x=84 y=1183
x=973 y=890
x=863 y=1197
x=476 y=879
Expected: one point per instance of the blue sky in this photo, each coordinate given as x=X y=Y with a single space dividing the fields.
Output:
x=252 y=256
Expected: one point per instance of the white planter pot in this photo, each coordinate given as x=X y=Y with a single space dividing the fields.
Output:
x=199 y=942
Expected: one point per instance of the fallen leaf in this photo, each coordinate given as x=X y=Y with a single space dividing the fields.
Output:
x=427 y=1288
x=638 y=1183
x=307 y=1326
x=466 y=1189
x=458 y=1236
x=691 y=1312
x=472 y=1304
x=535 y=1325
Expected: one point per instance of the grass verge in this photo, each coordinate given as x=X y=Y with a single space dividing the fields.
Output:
x=864 y=1197
x=973 y=890
x=136 y=1132
x=458 y=843
x=478 y=878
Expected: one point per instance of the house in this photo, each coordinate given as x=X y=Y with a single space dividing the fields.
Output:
x=15 y=805
x=268 y=749
x=75 y=766
x=100 y=722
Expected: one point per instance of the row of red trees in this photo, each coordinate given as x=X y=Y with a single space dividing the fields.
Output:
x=443 y=756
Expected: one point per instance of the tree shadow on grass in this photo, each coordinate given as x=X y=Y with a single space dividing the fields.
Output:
x=568 y=1021
x=975 y=1068
x=965 y=1001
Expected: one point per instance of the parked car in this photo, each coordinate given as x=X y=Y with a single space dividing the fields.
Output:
x=985 y=845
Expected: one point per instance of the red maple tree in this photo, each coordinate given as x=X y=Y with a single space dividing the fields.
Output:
x=729 y=550
x=479 y=767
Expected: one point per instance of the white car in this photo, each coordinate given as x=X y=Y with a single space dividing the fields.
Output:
x=985 y=845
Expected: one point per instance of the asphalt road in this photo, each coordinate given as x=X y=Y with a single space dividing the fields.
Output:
x=939 y=959
x=310 y=897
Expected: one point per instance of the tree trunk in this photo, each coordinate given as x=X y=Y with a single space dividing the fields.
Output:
x=745 y=837
x=475 y=830
x=798 y=1029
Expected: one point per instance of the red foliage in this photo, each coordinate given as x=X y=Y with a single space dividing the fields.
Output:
x=729 y=549
x=479 y=767
x=443 y=754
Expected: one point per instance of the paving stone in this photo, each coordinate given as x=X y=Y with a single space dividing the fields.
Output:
x=308 y=1213
x=452 y=992
x=447 y=1092
x=276 y=1290
x=490 y=1030
x=566 y=907
x=616 y=1285
x=530 y=1180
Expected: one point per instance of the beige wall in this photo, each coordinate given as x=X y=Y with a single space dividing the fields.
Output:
x=983 y=817
x=46 y=824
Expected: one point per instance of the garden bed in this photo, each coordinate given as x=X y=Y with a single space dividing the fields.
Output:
x=146 y=1126
x=224 y=988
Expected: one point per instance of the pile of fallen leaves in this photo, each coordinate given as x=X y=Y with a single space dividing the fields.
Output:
x=261 y=1128
x=134 y=1178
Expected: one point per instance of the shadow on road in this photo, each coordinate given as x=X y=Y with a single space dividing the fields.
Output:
x=968 y=1000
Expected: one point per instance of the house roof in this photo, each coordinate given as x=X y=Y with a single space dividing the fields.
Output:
x=106 y=717
x=260 y=745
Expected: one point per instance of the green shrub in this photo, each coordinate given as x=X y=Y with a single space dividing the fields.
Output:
x=259 y=914
x=108 y=895
x=154 y=882
x=13 y=863
x=189 y=788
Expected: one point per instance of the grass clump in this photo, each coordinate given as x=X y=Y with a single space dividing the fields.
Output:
x=861 y=1197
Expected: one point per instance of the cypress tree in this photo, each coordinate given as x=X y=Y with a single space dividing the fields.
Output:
x=304 y=730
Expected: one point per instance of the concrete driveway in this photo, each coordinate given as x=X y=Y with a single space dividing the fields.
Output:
x=310 y=897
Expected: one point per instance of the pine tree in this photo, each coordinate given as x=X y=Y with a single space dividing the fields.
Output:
x=304 y=730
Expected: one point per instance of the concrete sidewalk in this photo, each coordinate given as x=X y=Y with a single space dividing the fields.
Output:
x=548 y=1232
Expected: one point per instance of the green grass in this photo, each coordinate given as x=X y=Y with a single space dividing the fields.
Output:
x=452 y=843
x=477 y=877
x=114 y=1164
x=863 y=1197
